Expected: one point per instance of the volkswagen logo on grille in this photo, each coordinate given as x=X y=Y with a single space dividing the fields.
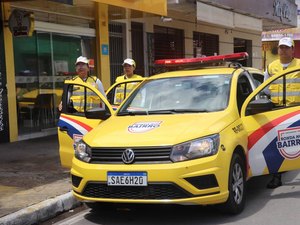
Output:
x=128 y=156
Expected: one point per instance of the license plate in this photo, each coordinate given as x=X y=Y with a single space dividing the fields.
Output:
x=127 y=179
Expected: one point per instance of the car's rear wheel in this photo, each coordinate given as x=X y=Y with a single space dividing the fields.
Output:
x=236 y=186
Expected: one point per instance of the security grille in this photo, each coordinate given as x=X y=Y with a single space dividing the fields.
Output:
x=205 y=44
x=137 y=43
x=168 y=43
x=243 y=45
x=116 y=50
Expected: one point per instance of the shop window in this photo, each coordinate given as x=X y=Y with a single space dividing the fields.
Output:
x=42 y=63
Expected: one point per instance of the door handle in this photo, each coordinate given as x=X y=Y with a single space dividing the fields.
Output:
x=64 y=129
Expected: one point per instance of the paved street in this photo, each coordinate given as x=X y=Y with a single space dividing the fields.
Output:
x=30 y=172
x=263 y=207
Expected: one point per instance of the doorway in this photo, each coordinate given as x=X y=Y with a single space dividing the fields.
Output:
x=243 y=45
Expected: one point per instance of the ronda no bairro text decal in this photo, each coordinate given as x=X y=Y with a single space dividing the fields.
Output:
x=288 y=142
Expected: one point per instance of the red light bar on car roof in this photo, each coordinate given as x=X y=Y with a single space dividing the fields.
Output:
x=208 y=59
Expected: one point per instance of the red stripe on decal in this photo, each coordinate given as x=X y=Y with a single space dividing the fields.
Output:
x=259 y=133
x=88 y=128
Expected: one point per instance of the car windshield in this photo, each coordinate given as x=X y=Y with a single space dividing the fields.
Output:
x=205 y=93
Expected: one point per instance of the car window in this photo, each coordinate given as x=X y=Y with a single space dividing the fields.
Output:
x=258 y=78
x=244 y=89
x=81 y=99
x=195 y=93
x=282 y=92
x=120 y=92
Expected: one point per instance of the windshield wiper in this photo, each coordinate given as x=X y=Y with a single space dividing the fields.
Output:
x=174 y=111
x=161 y=111
x=132 y=113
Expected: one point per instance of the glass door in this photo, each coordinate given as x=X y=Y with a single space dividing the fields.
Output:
x=42 y=63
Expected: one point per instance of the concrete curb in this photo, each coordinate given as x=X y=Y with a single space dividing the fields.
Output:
x=42 y=211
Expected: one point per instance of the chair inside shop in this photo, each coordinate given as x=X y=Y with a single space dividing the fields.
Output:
x=44 y=109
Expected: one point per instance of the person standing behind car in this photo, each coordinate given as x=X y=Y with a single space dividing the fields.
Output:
x=128 y=68
x=82 y=70
x=286 y=61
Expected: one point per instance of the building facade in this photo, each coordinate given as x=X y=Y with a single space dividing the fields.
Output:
x=270 y=40
x=34 y=64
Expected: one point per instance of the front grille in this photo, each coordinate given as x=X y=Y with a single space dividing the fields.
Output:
x=142 y=155
x=152 y=191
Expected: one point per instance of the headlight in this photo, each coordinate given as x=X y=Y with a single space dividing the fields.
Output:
x=82 y=151
x=198 y=148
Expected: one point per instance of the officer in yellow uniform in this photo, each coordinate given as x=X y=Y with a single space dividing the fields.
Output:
x=286 y=60
x=122 y=91
x=82 y=70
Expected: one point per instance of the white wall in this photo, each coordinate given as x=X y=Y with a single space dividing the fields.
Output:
x=243 y=27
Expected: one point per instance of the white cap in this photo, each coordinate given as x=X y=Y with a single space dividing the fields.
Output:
x=287 y=41
x=82 y=59
x=130 y=62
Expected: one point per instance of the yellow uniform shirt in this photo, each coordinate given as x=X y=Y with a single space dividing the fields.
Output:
x=124 y=90
x=292 y=83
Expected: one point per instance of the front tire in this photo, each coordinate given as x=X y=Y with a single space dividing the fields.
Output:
x=236 y=187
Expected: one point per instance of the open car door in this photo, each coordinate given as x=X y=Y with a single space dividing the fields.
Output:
x=81 y=114
x=272 y=121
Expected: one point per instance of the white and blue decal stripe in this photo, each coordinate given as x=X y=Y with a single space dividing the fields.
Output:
x=73 y=126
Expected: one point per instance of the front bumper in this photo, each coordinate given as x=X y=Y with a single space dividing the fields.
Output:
x=202 y=181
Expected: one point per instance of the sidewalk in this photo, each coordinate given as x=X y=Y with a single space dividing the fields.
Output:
x=33 y=185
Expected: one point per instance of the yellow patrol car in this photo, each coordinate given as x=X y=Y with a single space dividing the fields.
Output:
x=183 y=137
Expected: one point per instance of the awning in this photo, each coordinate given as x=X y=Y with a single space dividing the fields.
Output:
x=276 y=35
x=158 y=7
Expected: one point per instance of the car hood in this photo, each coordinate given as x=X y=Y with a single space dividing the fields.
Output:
x=156 y=130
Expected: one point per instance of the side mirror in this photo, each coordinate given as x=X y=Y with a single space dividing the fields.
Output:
x=259 y=106
x=97 y=113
